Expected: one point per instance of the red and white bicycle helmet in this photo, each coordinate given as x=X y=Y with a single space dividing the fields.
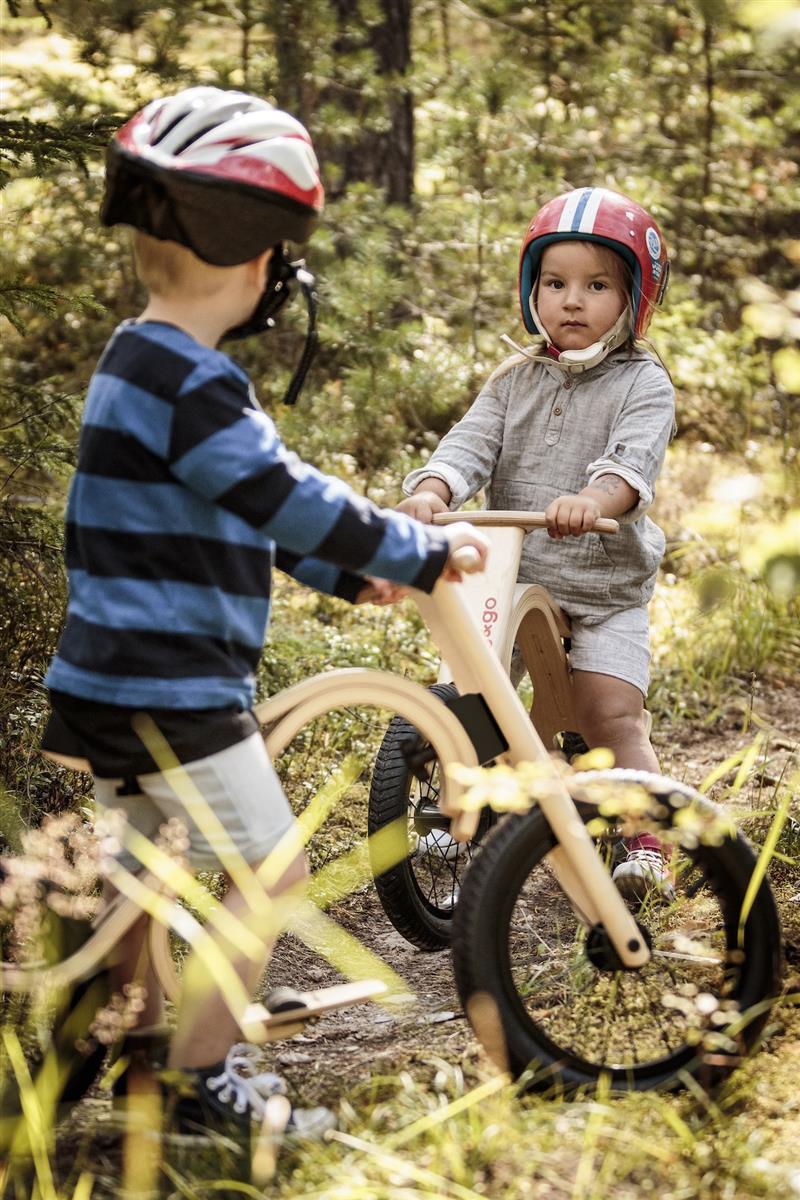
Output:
x=610 y=219
x=223 y=173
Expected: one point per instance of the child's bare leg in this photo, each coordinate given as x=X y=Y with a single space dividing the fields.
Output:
x=132 y=965
x=206 y=1029
x=610 y=713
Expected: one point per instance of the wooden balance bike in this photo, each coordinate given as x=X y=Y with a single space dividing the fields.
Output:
x=561 y=980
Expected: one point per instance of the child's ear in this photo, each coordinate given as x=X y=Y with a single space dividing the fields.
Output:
x=261 y=266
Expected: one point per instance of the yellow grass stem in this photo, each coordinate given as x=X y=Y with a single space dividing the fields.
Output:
x=700 y=1094
x=744 y=759
x=441 y=1115
x=338 y=879
x=763 y=861
x=184 y=884
x=210 y=954
x=677 y=1124
x=341 y=949
x=309 y=821
x=585 y=1174
x=210 y=1187
x=142 y=1149
x=36 y=1127
x=84 y=1187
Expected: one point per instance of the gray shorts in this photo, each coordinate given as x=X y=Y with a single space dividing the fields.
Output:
x=618 y=646
x=241 y=788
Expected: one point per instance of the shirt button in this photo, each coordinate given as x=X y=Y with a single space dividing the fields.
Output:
x=551 y=438
x=556 y=412
x=568 y=383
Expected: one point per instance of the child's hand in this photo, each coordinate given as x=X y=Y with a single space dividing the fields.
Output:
x=381 y=591
x=458 y=535
x=422 y=506
x=571 y=515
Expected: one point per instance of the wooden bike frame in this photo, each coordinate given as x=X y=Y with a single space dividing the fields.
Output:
x=477 y=653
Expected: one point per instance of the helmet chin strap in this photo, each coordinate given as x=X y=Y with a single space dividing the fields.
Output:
x=283 y=280
x=576 y=361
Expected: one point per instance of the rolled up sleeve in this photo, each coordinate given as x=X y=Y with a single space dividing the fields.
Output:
x=639 y=438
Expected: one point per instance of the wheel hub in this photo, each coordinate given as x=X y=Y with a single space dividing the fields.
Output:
x=601 y=953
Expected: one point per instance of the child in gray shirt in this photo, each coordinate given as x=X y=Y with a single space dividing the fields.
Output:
x=578 y=426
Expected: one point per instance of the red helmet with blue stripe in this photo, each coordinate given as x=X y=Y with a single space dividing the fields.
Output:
x=610 y=219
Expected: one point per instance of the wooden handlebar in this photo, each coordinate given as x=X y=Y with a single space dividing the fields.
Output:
x=519 y=520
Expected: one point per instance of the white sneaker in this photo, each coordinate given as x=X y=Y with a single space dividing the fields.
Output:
x=439 y=843
x=643 y=872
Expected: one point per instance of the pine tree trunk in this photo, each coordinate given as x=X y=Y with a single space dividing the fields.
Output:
x=383 y=150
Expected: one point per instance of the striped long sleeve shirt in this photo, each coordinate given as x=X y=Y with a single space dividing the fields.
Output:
x=183 y=499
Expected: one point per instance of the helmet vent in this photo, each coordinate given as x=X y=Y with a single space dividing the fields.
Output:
x=167 y=129
x=195 y=136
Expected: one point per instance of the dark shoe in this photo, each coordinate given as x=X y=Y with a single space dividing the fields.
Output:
x=136 y=1092
x=230 y=1098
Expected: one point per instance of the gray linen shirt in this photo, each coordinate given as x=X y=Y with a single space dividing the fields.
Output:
x=535 y=433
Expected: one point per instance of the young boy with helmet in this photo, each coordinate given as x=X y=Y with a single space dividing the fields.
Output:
x=578 y=426
x=183 y=498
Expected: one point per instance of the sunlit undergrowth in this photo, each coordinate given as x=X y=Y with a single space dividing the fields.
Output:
x=405 y=1141
x=429 y=1126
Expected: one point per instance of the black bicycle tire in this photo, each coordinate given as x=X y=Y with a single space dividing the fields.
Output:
x=480 y=961
x=397 y=889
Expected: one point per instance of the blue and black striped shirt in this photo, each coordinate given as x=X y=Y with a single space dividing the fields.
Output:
x=183 y=500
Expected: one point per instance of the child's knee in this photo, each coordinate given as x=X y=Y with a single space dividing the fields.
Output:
x=611 y=728
x=610 y=718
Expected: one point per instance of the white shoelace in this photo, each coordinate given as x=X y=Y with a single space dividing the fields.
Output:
x=242 y=1084
x=651 y=861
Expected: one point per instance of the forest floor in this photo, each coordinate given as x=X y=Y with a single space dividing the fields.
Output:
x=359 y=1059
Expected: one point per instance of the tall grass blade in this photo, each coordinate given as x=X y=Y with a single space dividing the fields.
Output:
x=442 y=1115
x=763 y=861
x=36 y=1125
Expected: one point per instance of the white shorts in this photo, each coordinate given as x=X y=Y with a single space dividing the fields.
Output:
x=241 y=788
x=618 y=646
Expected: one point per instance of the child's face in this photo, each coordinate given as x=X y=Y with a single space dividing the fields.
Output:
x=581 y=292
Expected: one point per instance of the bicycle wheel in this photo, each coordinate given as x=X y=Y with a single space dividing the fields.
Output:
x=543 y=992
x=419 y=894
x=62 y=1058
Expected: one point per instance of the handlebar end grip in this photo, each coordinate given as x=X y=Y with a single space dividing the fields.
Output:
x=466 y=559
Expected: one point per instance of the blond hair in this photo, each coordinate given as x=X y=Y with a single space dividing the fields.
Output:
x=168 y=269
